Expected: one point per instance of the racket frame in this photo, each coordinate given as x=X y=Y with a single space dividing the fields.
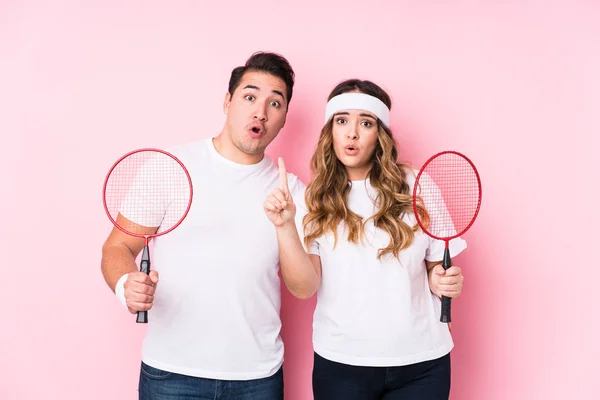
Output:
x=415 y=195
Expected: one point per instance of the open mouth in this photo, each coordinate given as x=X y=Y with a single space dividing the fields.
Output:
x=256 y=131
x=351 y=150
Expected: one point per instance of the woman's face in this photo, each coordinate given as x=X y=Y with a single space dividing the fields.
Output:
x=355 y=135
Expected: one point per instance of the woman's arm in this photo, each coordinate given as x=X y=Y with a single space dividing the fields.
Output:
x=301 y=272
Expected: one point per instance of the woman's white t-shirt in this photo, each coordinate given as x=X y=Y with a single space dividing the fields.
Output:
x=374 y=312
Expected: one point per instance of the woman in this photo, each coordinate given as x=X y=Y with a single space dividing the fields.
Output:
x=377 y=333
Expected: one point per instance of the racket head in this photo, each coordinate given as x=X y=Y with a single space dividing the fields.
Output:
x=448 y=179
x=142 y=175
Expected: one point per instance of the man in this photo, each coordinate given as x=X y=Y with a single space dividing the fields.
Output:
x=214 y=291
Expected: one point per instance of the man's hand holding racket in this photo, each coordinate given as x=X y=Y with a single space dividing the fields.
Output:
x=139 y=290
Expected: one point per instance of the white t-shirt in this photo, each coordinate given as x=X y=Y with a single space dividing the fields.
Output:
x=378 y=312
x=217 y=303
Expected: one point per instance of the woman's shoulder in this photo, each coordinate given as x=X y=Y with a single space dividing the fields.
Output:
x=410 y=175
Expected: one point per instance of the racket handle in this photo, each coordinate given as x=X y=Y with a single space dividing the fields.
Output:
x=446 y=303
x=142 y=316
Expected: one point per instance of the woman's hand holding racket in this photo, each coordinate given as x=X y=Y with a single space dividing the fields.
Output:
x=446 y=282
x=279 y=205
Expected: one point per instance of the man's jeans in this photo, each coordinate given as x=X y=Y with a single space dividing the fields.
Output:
x=156 y=384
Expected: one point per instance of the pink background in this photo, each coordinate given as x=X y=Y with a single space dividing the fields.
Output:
x=513 y=84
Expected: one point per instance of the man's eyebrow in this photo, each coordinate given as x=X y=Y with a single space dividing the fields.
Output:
x=257 y=88
x=279 y=93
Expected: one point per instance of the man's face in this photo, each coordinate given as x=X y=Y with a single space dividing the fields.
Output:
x=256 y=111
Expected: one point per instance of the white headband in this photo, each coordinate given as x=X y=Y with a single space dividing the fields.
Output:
x=358 y=101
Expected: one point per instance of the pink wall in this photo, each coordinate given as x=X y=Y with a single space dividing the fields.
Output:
x=514 y=85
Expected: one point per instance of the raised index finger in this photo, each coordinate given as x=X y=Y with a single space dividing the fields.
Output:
x=283 y=182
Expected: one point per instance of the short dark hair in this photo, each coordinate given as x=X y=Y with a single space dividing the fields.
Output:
x=270 y=63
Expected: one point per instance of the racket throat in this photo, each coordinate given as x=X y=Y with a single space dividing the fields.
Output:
x=142 y=316
x=446 y=261
x=145 y=263
x=446 y=304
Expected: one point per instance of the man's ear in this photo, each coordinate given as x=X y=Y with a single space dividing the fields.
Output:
x=226 y=102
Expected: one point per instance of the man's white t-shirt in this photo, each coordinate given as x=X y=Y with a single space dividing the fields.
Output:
x=217 y=302
x=378 y=312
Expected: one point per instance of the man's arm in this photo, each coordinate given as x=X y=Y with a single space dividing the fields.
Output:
x=118 y=258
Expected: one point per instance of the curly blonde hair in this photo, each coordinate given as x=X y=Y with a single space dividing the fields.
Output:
x=327 y=193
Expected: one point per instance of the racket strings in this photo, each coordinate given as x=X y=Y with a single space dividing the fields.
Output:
x=450 y=189
x=149 y=189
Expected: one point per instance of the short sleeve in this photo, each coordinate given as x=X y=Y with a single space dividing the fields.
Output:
x=435 y=251
x=434 y=203
x=314 y=248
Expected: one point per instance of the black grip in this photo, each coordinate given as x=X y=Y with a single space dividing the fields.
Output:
x=446 y=301
x=142 y=316
x=446 y=304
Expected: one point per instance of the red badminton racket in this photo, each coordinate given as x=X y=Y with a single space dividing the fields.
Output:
x=449 y=188
x=147 y=193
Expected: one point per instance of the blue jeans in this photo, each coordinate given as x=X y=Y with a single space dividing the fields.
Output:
x=428 y=380
x=156 y=384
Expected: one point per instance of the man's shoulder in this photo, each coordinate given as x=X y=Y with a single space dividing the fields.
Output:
x=187 y=147
x=189 y=152
x=293 y=181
